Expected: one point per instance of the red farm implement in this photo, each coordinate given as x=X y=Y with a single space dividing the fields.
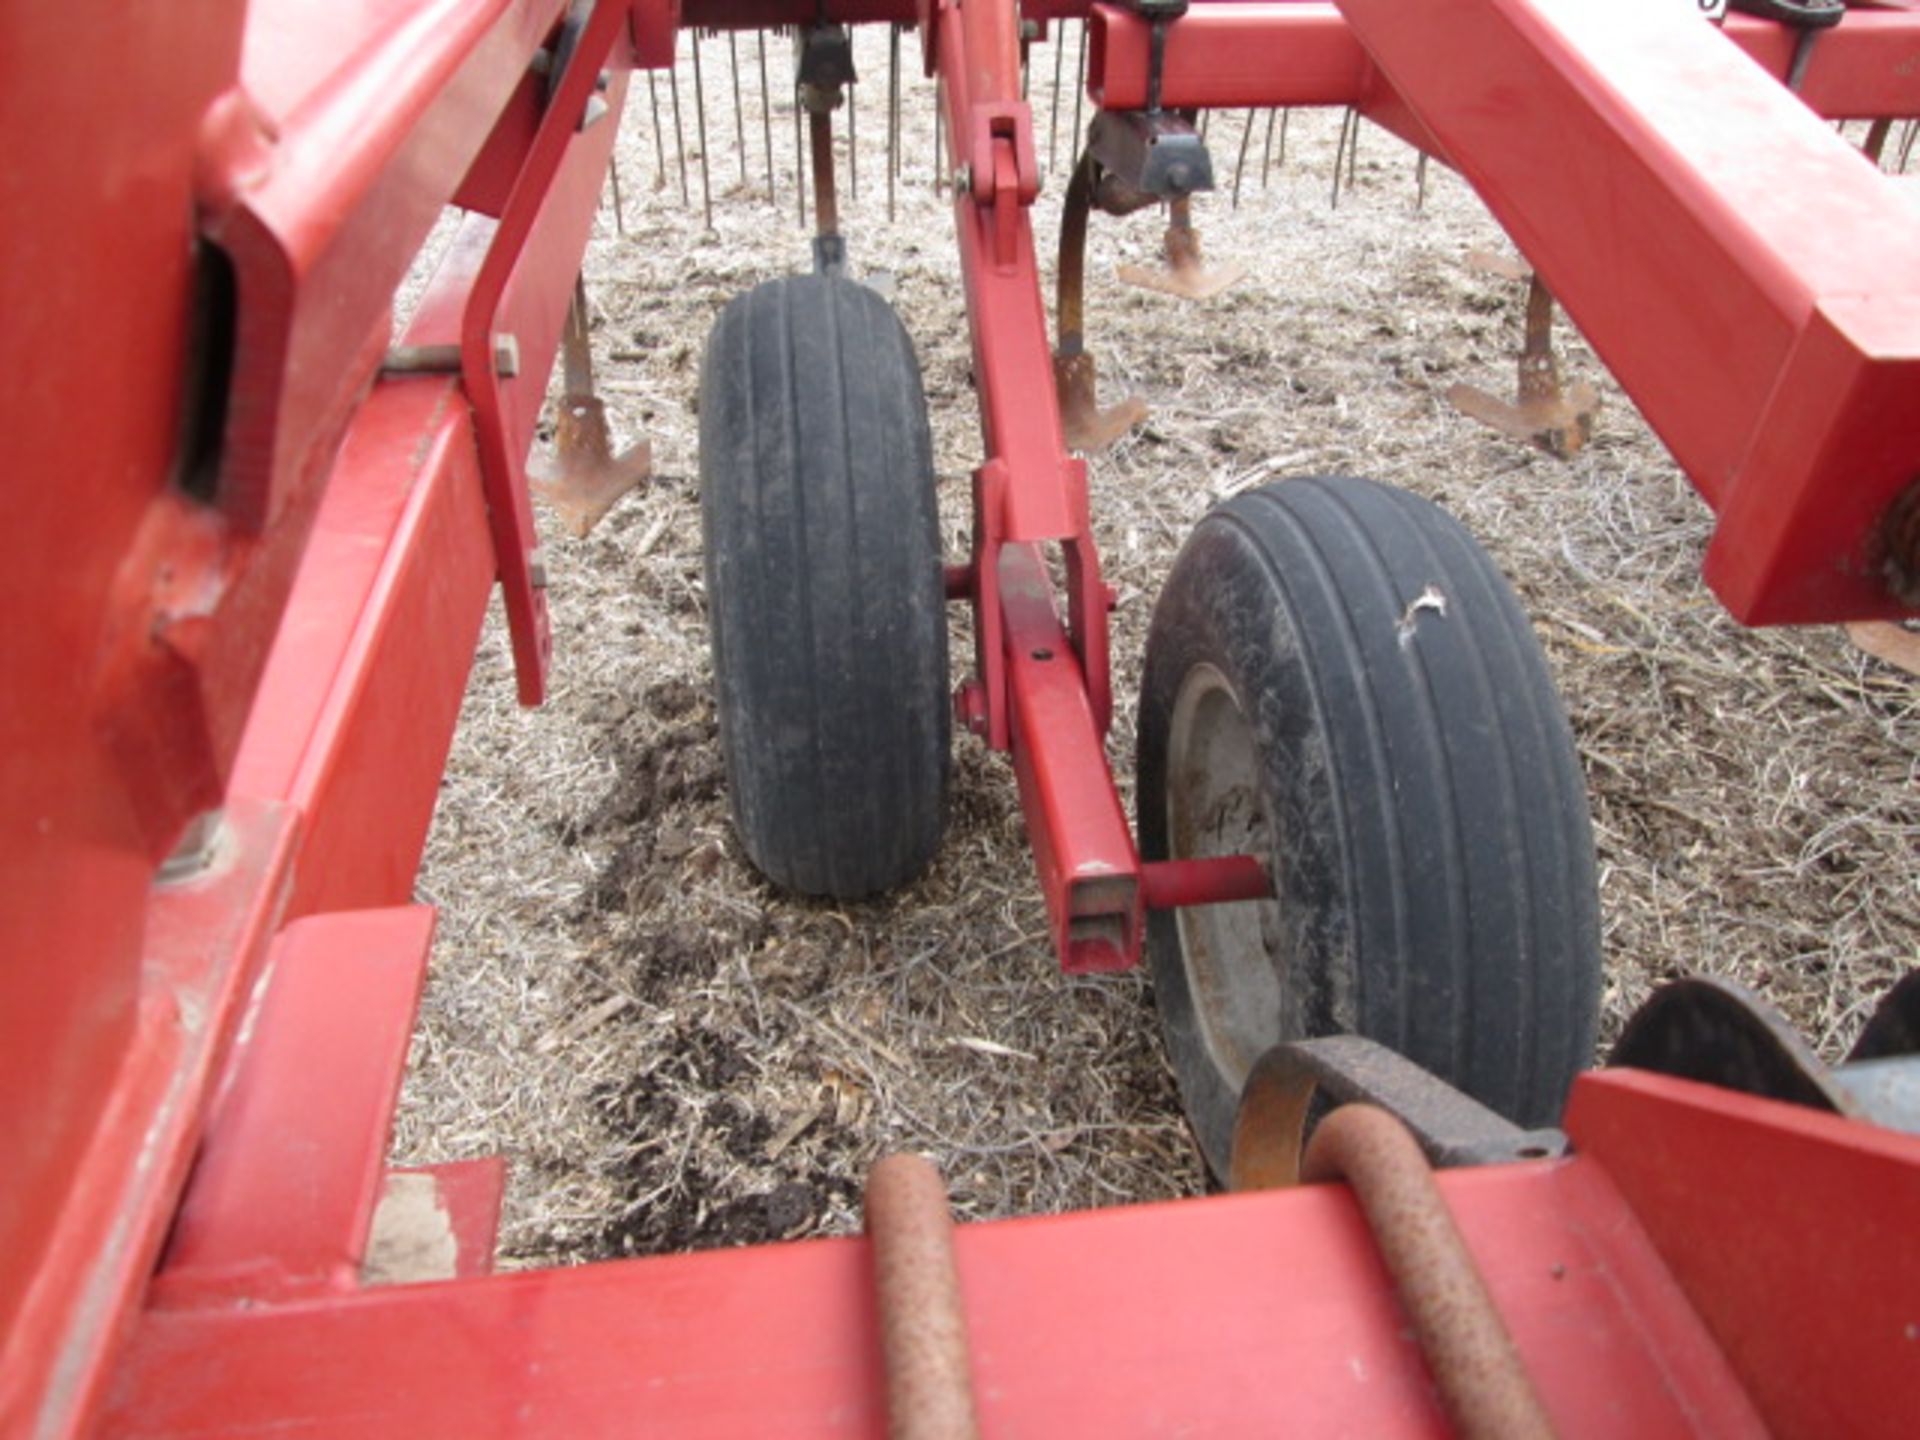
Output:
x=254 y=532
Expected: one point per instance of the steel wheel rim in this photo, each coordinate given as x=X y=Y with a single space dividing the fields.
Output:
x=1216 y=805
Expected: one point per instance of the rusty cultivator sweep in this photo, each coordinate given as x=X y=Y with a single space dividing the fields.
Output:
x=253 y=531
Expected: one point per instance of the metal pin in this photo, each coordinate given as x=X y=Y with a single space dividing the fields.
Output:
x=659 y=140
x=679 y=135
x=1240 y=164
x=766 y=121
x=700 y=114
x=893 y=113
x=1059 y=54
x=739 y=114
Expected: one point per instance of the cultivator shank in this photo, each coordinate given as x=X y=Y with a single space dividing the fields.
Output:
x=248 y=663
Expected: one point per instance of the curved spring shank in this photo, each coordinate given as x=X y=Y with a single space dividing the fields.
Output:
x=1483 y=1386
x=923 y=1327
x=1074 y=210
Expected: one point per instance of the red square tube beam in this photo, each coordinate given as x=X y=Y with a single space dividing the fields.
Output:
x=1746 y=274
x=1302 y=52
x=1089 y=870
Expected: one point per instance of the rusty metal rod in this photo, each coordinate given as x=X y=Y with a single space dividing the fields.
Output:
x=679 y=135
x=659 y=139
x=1240 y=164
x=1484 y=1387
x=1079 y=82
x=799 y=159
x=923 y=1324
x=1053 y=126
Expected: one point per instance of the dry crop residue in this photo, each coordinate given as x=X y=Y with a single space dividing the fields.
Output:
x=674 y=1055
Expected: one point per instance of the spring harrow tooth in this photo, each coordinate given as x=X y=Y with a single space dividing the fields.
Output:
x=1558 y=420
x=853 y=143
x=739 y=111
x=1340 y=154
x=659 y=138
x=1240 y=163
x=1079 y=85
x=1053 y=126
x=700 y=120
x=766 y=121
x=893 y=116
x=799 y=159
x=679 y=134
x=1266 y=153
x=619 y=205
x=1420 y=181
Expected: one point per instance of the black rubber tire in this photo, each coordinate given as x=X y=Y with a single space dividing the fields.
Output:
x=1410 y=776
x=825 y=597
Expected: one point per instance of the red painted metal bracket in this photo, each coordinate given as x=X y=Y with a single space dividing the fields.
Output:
x=1791 y=1232
x=285 y=1184
x=537 y=246
x=1138 y=1320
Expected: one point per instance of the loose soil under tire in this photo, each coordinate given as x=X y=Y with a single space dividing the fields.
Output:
x=675 y=1056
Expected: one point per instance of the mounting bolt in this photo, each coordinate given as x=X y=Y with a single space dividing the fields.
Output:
x=1029 y=29
x=962 y=180
x=536 y=570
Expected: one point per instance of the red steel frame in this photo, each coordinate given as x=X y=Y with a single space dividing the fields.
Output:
x=252 y=1012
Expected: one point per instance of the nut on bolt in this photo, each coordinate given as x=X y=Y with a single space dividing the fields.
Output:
x=962 y=180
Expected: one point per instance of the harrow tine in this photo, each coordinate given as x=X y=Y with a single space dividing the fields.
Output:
x=1353 y=150
x=939 y=134
x=679 y=135
x=766 y=122
x=1053 y=126
x=1906 y=145
x=893 y=114
x=619 y=206
x=1266 y=148
x=853 y=143
x=1079 y=84
x=659 y=140
x=1875 y=145
x=1240 y=164
x=1420 y=179
x=739 y=114
x=799 y=158
x=700 y=119
x=1340 y=154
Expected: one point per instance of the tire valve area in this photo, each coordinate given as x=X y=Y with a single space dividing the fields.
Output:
x=1431 y=598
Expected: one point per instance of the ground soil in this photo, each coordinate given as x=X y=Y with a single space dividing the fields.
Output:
x=674 y=1055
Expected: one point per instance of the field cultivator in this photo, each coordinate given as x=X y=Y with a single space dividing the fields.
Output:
x=257 y=524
